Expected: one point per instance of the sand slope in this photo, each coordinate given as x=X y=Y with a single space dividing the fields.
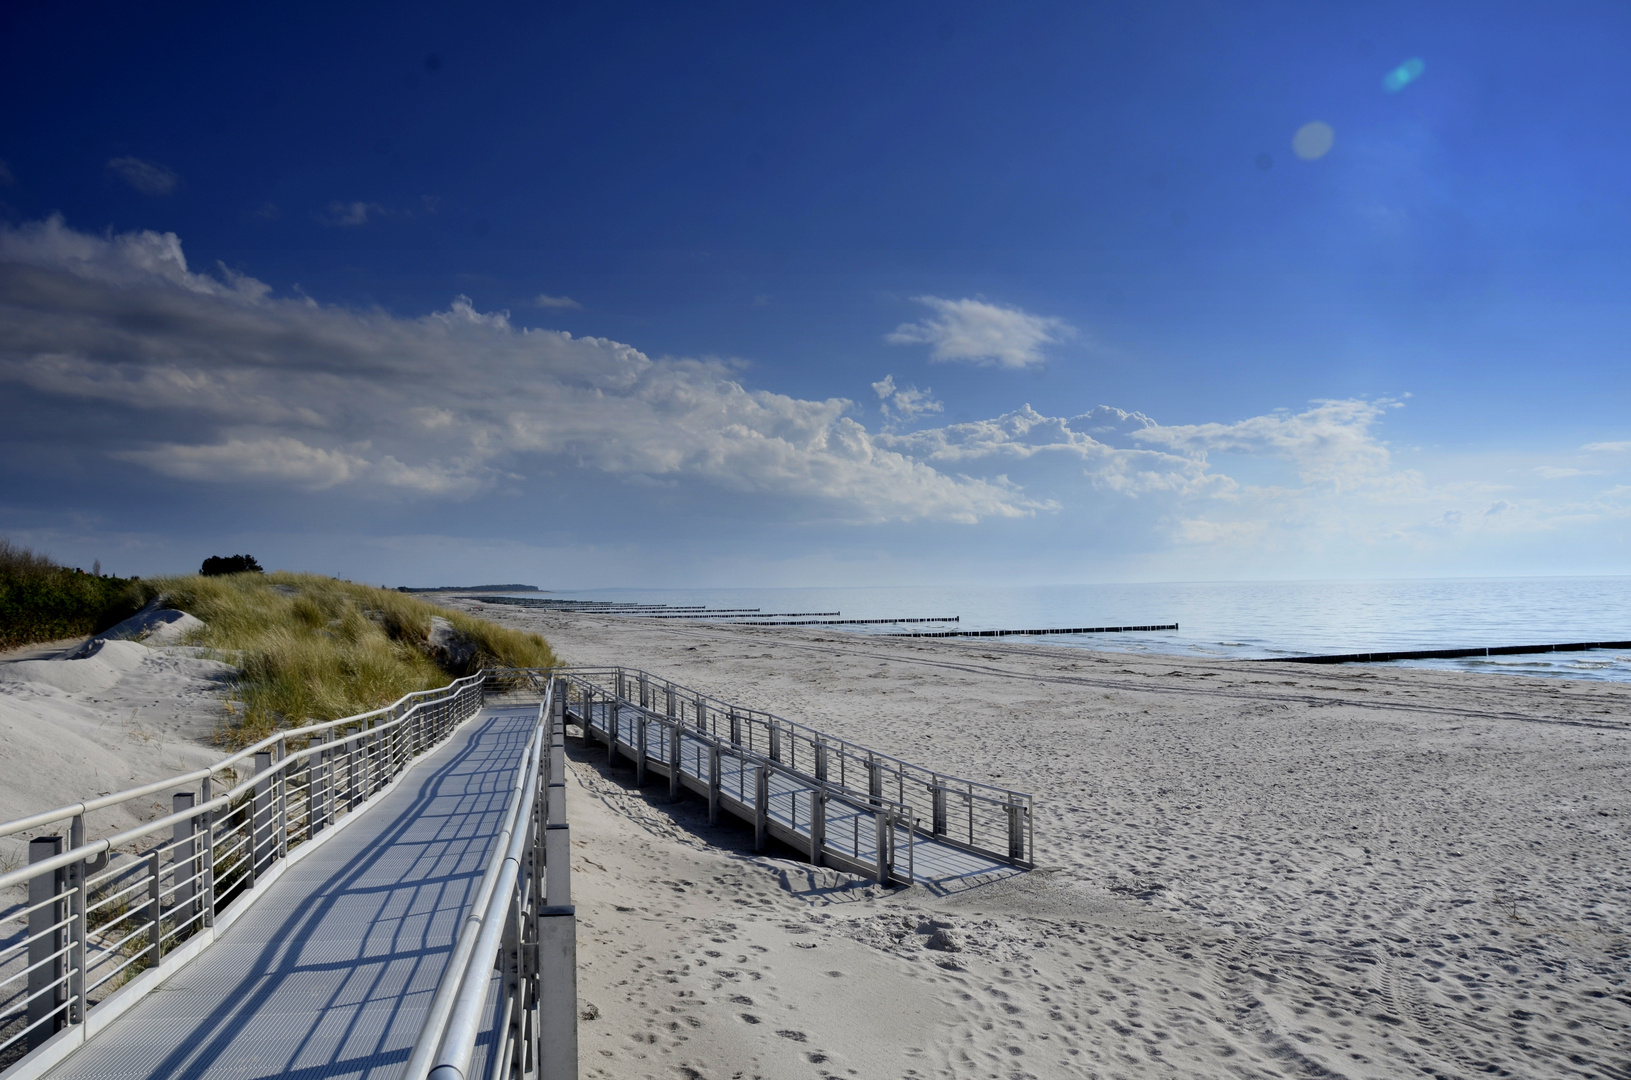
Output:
x=1254 y=870
x=122 y=716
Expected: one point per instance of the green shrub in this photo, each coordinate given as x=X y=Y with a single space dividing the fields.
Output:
x=42 y=601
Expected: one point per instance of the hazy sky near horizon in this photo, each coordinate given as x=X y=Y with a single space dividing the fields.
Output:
x=615 y=294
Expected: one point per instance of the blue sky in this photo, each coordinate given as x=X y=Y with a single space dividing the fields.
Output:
x=597 y=294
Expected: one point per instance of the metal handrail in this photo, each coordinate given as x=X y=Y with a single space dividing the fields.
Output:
x=523 y=925
x=90 y=928
x=988 y=819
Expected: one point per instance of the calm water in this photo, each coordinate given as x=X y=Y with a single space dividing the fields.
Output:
x=1250 y=619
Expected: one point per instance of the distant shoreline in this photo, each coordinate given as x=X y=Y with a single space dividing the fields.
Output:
x=473 y=589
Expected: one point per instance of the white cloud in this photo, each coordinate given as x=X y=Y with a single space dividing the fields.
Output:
x=544 y=300
x=1331 y=443
x=449 y=403
x=1608 y=447
x=1555 y=472
x=904 y=403
x=147 y=177
x=980 y=332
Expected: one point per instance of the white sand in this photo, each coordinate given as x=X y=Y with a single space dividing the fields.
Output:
x=124 y=715
x=1256 y=870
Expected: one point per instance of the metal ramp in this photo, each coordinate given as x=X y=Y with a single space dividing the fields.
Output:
x=332 y=971
x=839 y=803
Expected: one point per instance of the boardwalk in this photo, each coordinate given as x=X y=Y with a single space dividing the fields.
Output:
x=330 y=973
x=347 y=909
x=839 y=804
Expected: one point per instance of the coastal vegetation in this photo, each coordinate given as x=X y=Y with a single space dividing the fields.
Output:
x=311 y=648
x=42 y=600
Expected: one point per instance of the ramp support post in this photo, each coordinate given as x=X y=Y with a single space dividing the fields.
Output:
x=761 y=807
x=713 y=784
x=558 y=992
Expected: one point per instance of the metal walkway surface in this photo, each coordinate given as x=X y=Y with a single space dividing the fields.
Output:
x=331 y=972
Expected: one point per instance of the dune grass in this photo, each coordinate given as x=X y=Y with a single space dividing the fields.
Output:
x=312 y=648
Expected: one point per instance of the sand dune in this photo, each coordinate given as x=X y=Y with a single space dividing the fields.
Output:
x=1252 y=870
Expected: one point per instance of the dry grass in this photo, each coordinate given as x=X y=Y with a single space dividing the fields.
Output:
x=313 y=648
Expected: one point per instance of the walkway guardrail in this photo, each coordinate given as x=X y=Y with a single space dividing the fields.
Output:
x=100 y=913
x=789 y=778
x=521 y=931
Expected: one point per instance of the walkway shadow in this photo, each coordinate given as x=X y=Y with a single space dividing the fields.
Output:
x=479 y=773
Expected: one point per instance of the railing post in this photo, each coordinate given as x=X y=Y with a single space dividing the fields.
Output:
x=183 y=859
x=736 y=729
x=818 y=824
x=317 y=784
x=45 y=982
x=77 y=903
x=673 y=757
x=207 y=881
x=775 y=741
x=670 y=702
x=702 y=715
x=761 y=807
x=281 y=784
x=713 y=783
x=883 y=824
x=260 y=812
x=1016 y=831
x=155 y=911
x=640 y=744
x=874 y=781
x=938 y=794
x=821 y=759
x=558 y=999
x=611 y=730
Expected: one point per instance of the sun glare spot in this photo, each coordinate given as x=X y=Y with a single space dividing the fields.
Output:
x=1313 y=140
x=1403 y=75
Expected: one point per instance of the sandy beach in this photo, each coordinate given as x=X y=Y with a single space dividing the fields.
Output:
x=1247 y=870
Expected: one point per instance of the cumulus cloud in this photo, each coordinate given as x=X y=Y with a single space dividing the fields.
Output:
x=147 y=177
x=979 y=332
x=449 y=403
x=904 y=403
x=544 y=300
x=1331 y=443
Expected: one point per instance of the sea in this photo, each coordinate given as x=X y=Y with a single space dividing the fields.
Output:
x=1236 y=619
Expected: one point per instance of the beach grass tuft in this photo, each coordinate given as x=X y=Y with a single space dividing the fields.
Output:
x=310 y=648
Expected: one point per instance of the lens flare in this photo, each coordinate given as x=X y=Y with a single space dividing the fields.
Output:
x=1403 y=75
x=1313 y=140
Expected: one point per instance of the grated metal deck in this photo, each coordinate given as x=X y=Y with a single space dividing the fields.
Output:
x=329 y=974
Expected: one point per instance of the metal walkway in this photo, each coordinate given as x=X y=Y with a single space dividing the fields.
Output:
x=838 y=803
x=331 y=972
